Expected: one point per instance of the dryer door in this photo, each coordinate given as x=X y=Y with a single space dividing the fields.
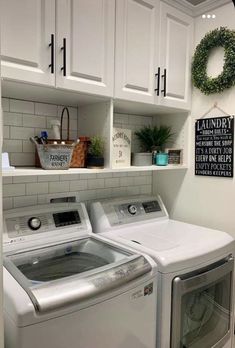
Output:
x=202 y=307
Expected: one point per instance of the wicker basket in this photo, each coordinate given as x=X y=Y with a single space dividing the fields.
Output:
x=55 y=156
x=79 y=151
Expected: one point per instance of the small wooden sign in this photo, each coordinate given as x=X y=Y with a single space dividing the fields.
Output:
x=214 y=139
x=121 y=148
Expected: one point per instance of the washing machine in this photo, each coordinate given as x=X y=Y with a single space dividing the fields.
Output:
x=66 y=287
x=195 y=269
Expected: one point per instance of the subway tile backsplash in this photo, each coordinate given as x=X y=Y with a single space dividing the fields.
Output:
x=23 y=119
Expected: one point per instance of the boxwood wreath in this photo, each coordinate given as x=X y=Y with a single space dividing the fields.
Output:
x=220 y=37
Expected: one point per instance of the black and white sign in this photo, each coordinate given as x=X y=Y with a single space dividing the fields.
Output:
x=214 y=146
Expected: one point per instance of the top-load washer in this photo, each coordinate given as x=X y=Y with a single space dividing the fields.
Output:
x=195 y=269
x=66 y=287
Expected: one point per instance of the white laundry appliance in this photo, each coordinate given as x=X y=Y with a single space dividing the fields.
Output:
x=195 y=269
x=66 y=287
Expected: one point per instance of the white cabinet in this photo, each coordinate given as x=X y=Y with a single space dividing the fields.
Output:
x=83 y=43
x=86 y=29
x=136 y=40
x=27 y=27
x=176 y=37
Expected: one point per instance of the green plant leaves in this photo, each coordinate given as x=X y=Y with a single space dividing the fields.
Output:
x=153 y=138
x=220 y=37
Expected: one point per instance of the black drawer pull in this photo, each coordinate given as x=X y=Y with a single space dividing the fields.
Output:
x=52 y=46
x=63 y=48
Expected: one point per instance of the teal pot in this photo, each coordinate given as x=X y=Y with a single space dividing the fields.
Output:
x=161 y=159
x=95 y=162
x=142 y=159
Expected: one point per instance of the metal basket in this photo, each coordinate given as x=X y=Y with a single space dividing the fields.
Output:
x=55 y=156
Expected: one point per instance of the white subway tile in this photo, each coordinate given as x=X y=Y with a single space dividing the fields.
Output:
x=37 y=188
x=133 y=173
x=88 y=176
x=87 y=195
x=126 y=181
x=95 y=183
x=13 y=190
x=6 y=132
x=142 y=180
x=119 y=175
x=5 y=104
x=58 y=186
x=69 y=177
x=133 y=190
x=25 y=201
x=21 y=133
x=12 y=119
x=24 y=179
x=104 y=175
x=7 y=203
x=112 y=182
x=28 y=146
x=7 y=180
x=22 y=159
x=121 y=118
x=48 y=178
x=23 y=106
x=42 y=199
x=12 y=145
x=34 y=121
x=78 y=185
x=146 y=190
x=46 y=109
x=119 y=192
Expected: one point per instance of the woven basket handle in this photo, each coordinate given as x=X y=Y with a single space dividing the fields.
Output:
x=61 y=122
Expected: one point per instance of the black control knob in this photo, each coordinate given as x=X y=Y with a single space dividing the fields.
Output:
x=132 y=209
x=34 y=223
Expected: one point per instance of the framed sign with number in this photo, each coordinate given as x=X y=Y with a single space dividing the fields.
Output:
x=121 y=148
x=214 y=143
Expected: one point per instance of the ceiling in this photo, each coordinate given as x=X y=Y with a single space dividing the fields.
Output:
x=195 y=2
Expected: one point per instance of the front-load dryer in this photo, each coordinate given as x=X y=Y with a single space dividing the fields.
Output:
x=66 y=287
x=195 y=269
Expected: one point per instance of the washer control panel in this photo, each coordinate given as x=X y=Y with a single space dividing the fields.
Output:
x=20 y=224
x=123 y=212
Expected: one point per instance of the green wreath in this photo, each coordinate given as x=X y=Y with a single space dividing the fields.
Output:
x=221 y=37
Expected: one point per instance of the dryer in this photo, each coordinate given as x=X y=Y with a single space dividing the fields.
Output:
x=195 y=269
x=66 y=287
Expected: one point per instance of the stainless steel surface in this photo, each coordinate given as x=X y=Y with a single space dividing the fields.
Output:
x=197 y=282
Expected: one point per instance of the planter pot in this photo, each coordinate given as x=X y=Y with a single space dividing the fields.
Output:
x=94 y=162
x=142 y=159
x=161 y=159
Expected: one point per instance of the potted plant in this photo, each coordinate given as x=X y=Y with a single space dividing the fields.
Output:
x=152 y=139
x=95 y=155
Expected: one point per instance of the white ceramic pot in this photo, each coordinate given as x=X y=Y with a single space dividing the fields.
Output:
x=142 y=159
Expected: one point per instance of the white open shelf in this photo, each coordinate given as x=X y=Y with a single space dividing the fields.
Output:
x=29 y=171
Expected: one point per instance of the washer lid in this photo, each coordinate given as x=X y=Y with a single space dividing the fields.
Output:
x=71 y=272
x=175 y=245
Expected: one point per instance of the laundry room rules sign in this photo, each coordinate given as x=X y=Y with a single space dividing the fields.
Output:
x=214 y=146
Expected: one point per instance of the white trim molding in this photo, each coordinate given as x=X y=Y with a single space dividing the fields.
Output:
x=197 y=10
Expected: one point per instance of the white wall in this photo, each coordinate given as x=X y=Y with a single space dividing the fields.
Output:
x=203 y=200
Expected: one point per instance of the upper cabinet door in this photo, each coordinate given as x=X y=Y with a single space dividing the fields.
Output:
x=136 y=41
x=27 y=27
x=175 y=57
x=85 y=45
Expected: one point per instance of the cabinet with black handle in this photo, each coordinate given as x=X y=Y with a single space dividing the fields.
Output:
x=63 y=44
x=153 y=53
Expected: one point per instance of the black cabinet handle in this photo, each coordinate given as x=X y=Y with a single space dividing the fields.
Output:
x=52 y=46
x=157 y=76
x=63 y=48
x=164 y=83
